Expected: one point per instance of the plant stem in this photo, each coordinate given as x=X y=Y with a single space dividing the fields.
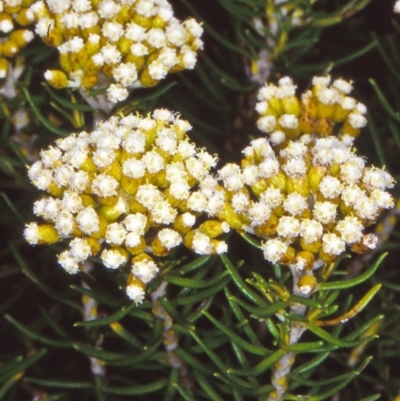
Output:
x=90 y=313
x=170 y=338
x=283 y=367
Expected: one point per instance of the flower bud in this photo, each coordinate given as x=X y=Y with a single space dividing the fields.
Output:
x=214 y=228
x=56 y=78
x=307 y=284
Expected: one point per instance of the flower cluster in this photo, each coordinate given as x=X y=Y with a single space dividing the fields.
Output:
x=14 y=16
x=116 y=44
x=310 y=196
x=283 y=116
x=123 y=192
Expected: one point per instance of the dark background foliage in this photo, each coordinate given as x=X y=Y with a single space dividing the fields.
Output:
x=45 y=356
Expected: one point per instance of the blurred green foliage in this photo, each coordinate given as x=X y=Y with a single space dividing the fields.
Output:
x=227 y=330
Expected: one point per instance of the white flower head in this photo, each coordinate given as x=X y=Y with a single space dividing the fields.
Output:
x=202 y=244
x=68 y=262
x=169 y=238
x=332 y=244
x=135 y=292
x=145 y=270
x=274 y=249
x=113 y=259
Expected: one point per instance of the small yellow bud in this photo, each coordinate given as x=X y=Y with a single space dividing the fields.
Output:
x=22 y=18
x=136 y=250
x=180 y=226
x=268 y=228
x=136 y=207
x=188 y=239
x=307 y=284
x=345 y=209
x=114 y=170
x=65 y=62
x=110 y=212
x=325 y=110
x=7 y=22
x=78 y=59
x=230 y=216
x=27 y=3
x=214 y=228
x=349 y=130
x=12 y=9
x=304 y=261
x=130 y=185
x=108 y=200
x=55 y=190
x=300 y=185
x=90 y=67
x=340 y=113
x=133 y=280
x=137 y=60
x=277 y=181
x=10 y=48
x=103 y=223
x=288 y=257
x=312 y=247
x=315 y=176
x=95 y=30
x=88 y=82
x=4 y=64
x=124 y=46
x=260 y=186
x=291 y=105
x=54 y=39
x=56 y=78
x=146 y=80
x=290 y=133
x=94 y=244
x=141 y=258
x=87 y=200
x=158 y=22
x=142 y=21
x=19 y=37
x=158 y=248
x=275 y=105
x=326 y=257
x=48 y=234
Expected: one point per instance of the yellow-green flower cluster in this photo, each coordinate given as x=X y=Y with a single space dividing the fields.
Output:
x=124 y=192
x=14 y=15
x=283 y=116
x=119 y=44
x=311 y=196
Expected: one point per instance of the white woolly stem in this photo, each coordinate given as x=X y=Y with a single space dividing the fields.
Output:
x=170 y=339
x=283 y=367
x=90 y=313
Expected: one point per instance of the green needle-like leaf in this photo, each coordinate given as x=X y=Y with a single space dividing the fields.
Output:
x=115 y=317
x=355 y=281
x=253 y=349
x=261 y=367
x=137 y=389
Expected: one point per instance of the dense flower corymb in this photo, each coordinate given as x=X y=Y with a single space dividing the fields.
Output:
x=124 y=191
x=15 y=16
x=116 y=44
x=283 y=116
x=303 y=191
